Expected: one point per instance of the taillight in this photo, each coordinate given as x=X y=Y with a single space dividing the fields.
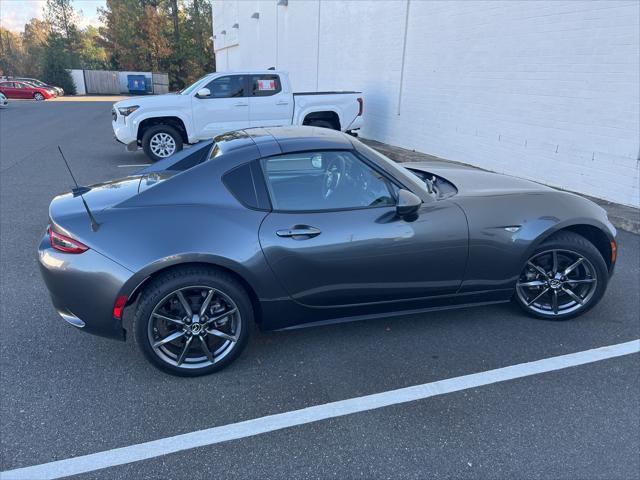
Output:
x=118 y=307
x=361 y=105
x=65 y=244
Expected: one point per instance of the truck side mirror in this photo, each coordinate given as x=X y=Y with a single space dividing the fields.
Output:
x=203 y=93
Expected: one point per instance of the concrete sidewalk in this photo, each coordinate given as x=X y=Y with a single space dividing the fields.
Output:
x=622 y=216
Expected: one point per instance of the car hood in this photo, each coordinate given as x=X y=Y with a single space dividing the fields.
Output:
x=151 y=101
x=471 y=181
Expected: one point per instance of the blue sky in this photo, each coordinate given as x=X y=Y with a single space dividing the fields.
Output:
x=15 y=13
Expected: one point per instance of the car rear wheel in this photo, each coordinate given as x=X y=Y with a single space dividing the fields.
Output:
x=161 y=141
x=563 y=278
x=38 y=96
x=193 y=321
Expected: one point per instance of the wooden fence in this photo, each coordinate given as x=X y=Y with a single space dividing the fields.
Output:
x=101 y=82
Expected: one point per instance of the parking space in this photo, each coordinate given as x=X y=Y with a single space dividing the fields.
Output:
x=67 y=394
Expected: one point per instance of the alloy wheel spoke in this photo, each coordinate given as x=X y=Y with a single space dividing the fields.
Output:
x=168 y=319
x=185 y=303
x=184 y=350
x=554 y=255
x=533 y=283
x=170 y=338
x=206 y=302
x=573 y=266
x=221 y=334
x=554 y=301
x=584 y=280
x=205 y=348
x=539 y=295
x=221 y=316
x=573 y=295
x=540 y=270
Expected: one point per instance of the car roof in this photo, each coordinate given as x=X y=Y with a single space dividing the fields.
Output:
x=282 y=140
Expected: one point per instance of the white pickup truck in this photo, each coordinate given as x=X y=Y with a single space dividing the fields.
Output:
x=221 y=102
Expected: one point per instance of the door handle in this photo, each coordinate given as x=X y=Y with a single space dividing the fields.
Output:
x=282 y=102
x=299 y=232
x=240 y=104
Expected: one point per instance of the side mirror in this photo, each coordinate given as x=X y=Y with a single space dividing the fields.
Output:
x=408 y=203
x=203 y=93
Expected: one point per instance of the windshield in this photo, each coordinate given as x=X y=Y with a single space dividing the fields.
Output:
x=193 y=86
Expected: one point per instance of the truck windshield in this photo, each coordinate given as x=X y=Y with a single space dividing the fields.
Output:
x=192 y=87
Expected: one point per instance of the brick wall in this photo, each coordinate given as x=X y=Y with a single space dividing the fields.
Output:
x=546 y=90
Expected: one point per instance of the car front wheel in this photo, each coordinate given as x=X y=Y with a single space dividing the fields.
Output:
x=161 y=141
x=563 y=278
x=38 y=96
x=193 y=321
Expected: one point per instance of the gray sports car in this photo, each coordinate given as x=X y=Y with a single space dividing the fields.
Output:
x=293 y=226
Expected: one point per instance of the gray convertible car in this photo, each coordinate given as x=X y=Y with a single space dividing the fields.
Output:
x=302 y=226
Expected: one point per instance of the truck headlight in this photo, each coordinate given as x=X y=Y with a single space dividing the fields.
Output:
x=126 y=111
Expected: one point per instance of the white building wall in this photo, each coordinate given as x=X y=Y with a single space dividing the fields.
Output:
x=547 y=90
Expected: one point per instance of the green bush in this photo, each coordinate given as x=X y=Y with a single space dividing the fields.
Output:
x=54 y=66
x=58 y=76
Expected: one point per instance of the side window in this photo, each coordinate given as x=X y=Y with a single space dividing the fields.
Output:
x=325 y=181
x=246 y=184
x=265 y=85
x=18 y=85
x=227 y=87
x=7 y=84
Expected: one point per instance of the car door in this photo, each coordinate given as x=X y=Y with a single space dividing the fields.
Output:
x=333 y=237
x=269 y=105
x=226 y=108
x=22 y=90
x=9 y=90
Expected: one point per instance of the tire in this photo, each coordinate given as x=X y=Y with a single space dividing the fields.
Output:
x=321 y=123
x=194 y=282
x=155 y=137
x=38 y=96
x=587 y=280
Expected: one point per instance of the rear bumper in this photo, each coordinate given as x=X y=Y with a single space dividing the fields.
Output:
x=83 y=288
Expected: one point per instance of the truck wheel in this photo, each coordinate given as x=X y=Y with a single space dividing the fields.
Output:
x=322 y=123
x=161 y=141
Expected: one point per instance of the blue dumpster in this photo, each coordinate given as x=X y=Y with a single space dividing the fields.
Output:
x=136 y=83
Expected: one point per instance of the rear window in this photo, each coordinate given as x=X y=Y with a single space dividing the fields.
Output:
x=265 y=85
x=247 y=185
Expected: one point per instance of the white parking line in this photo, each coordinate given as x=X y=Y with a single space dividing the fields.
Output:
x=211 y=436
x=135 y=165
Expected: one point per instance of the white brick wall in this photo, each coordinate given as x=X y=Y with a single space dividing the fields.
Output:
x=545 y=89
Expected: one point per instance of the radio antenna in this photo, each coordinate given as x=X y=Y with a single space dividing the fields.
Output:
x=79 y=191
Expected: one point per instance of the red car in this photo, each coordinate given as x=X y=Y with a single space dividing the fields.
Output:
x=13 y=89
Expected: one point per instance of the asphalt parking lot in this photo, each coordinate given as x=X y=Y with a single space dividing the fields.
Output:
x=66 y=394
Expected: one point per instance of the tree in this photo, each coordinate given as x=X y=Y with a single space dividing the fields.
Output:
x=34 y=40
x=11 y=53
x=93 y=55
x=170 y=36
x=62 y=18
x=53 y=68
